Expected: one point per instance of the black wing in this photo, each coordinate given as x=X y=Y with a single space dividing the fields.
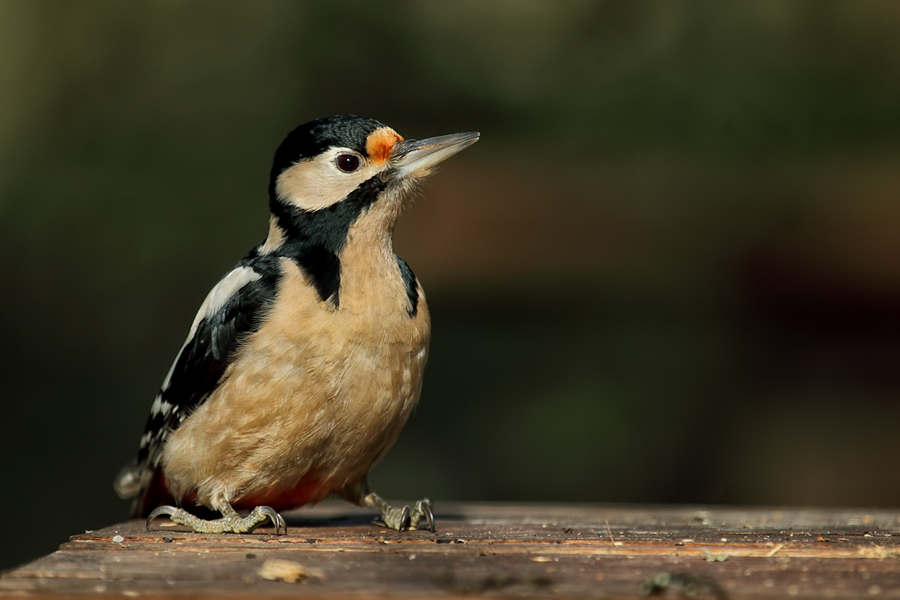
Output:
x=232 y=311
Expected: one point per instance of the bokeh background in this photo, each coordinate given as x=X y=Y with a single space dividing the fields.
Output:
x=667 y=273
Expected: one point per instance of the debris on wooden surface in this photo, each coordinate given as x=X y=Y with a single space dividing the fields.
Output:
x=563 y=551
x=276 y=569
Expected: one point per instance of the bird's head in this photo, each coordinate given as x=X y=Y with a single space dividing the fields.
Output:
x=336 y=169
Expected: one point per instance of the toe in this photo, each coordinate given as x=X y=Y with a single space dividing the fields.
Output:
x=424 y=506
x=162 y=510
x=397 y=518
x=276 y=519
x=404 y=519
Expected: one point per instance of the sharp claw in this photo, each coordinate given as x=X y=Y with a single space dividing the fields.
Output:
x=267 y=512
x=425 y=507
x=277 y=520
x=162 y=510
x=400 y=519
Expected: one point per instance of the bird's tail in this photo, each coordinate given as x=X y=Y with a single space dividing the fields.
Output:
x=128 y=482
x=148 y=489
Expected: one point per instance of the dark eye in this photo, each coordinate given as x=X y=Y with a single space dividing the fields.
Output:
x=347 y=162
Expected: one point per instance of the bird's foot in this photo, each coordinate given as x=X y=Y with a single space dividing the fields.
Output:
x=231 y=521
x=422 y=510
x=395 y=518
x=406 y=518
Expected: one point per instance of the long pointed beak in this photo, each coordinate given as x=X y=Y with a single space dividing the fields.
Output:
x=417 y=158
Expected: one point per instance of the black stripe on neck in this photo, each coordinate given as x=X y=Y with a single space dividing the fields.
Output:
x=412 y=287
x=314 y=239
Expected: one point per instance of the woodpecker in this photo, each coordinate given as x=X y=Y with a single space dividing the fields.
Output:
x=304 y=362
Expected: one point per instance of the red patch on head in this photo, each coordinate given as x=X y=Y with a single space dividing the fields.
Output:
x=381 y=143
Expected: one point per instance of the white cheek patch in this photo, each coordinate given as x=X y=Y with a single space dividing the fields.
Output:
x=316 y=184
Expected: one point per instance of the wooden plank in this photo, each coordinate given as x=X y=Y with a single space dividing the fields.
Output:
x=507 y=550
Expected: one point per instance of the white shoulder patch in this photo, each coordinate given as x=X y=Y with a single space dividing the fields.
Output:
x=221 y=293
x=215 y=300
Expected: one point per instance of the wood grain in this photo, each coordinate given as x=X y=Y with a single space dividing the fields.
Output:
x=603 y=551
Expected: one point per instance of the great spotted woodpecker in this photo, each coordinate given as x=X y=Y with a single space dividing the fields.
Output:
x=305 y=361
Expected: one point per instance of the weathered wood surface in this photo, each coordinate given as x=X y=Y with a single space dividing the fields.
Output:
x=500 y=550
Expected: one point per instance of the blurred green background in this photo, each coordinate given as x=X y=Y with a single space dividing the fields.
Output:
x=667 y=273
